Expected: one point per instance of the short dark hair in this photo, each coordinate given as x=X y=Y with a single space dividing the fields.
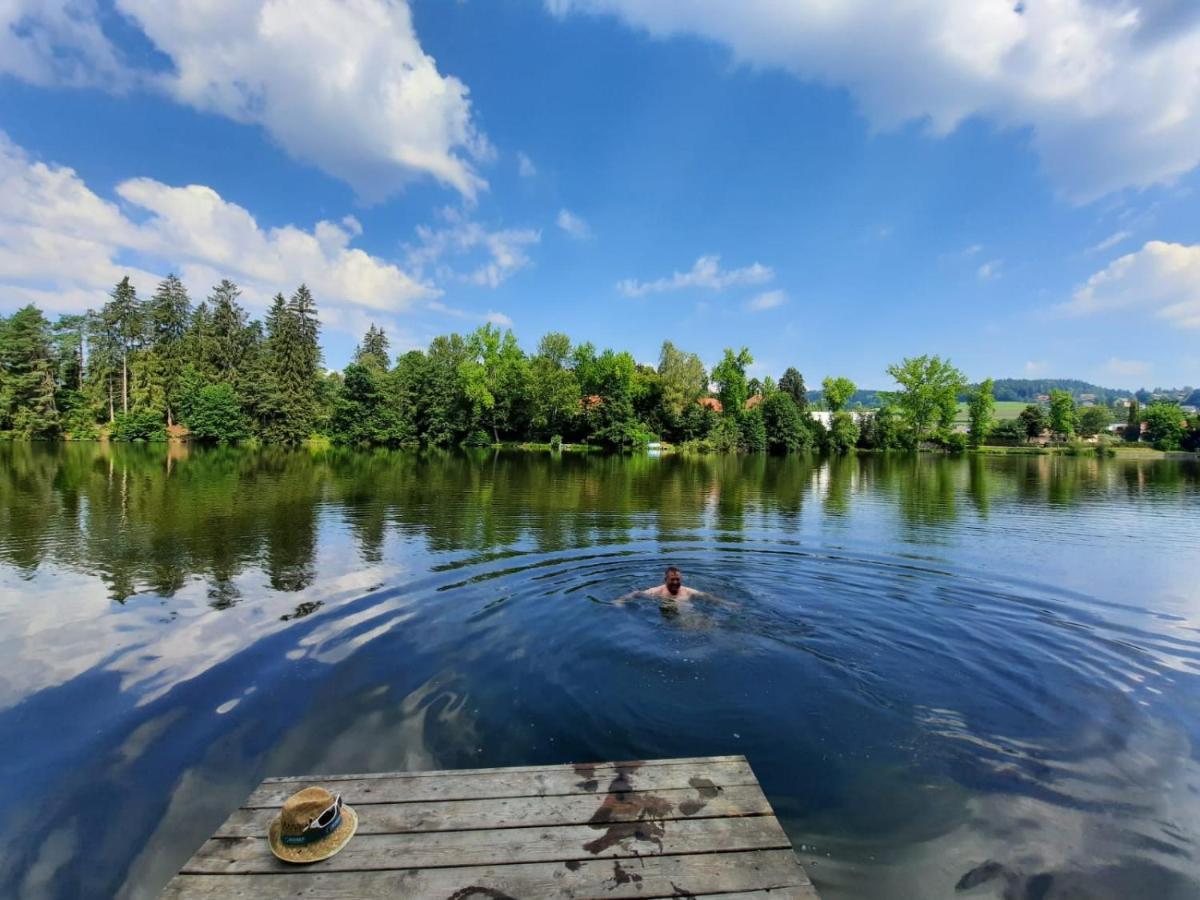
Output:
x=671 y=569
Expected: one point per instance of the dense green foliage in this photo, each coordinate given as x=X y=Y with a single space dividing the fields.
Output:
x=981 y=407
x=157 y=368
x=1029 y=389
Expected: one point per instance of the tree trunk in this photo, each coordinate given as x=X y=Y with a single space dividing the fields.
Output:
x=111 y=413
x=170 y=421
x=124 y=385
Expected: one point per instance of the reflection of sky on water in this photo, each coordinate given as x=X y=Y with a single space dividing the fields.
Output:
x=932 y=664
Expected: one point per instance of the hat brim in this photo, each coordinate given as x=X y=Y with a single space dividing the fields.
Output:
x=318 y=850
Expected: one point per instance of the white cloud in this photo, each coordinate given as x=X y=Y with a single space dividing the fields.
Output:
x=498 y=318
x=57 y=42
x=1111 y=241
x=1036 y=368
x=706 y=274
x=345 y=86
x=63 y=246
x=1120 y=367
x=1107 y=89
x=525 y=166
x=767 y=300
x=972 y=250
x=497 y=254
x=492 y=316
x=991 y=269
x=1161 y=279
x=573 y=225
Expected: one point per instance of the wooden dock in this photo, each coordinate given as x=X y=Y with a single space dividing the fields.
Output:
x=659 y=828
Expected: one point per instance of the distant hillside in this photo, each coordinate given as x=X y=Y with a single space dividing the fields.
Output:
x=1027 y=389
x=1021 y=390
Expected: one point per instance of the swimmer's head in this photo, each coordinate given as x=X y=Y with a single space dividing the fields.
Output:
x=673 y=579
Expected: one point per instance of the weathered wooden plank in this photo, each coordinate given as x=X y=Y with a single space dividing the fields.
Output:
x=424 y=850
x=600 y=766
x=574 y=809
x=393 y=788
x=647 y=878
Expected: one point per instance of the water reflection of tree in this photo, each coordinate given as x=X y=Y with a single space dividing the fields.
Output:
x=153 y=518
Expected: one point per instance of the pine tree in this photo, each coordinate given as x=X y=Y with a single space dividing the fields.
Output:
x=287 y=413
x=374 y=348
x=169 y=313
x=27 y=368
x=230 y=338
x=304 y=308
x=792 y=384
x=103 y=361
x=125 y=324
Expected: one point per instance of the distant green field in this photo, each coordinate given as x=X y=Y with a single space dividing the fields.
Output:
x=1005 y=409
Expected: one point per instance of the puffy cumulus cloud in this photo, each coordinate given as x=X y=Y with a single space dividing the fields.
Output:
x=63 y=246
x=341 y=84
x=1108 y=88
x=1162 y=279
x=573 y=225
x=57 y=42
x=706 y=273
x=490 y=256
x=767 y=300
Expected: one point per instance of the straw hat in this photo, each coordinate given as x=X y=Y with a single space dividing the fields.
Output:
x=313 y=825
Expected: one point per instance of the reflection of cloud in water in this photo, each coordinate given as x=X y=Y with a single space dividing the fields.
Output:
x=155 y=656
x=369 y=732
x=199 y=802
x=1100 y=831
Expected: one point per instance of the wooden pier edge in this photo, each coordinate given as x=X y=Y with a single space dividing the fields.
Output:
x=698 y=827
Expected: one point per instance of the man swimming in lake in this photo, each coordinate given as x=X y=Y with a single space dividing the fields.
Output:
x=672 y=587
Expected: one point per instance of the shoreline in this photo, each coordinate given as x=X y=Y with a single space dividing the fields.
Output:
x=1134 y=451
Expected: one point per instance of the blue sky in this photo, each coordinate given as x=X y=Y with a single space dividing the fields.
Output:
x=829 y=184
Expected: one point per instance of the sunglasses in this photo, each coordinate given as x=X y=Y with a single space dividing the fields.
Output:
x=325 y=819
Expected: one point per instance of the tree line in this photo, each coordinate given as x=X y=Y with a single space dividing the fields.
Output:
x=149 y=368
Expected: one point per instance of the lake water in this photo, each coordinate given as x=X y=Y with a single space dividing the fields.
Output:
x=930 y=663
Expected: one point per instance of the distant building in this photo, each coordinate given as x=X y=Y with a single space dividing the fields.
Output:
x=1087 y=399
x=1043 y=398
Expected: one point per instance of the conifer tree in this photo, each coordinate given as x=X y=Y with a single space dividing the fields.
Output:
x=230 y=337
x=125 y=325
x=792 y=384
x=27 y=367
x=169 y=313
x=374 y=348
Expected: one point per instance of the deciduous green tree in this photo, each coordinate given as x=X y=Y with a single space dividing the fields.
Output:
x=1062 y=413
x=928 y=395
x=785 y=428
x=1033 y=418
x=554 y=390
x=1093 y=420
x=684 y=379
x=730 y=377
x=837 y=392
x=1165 y=424
x=980 y=409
